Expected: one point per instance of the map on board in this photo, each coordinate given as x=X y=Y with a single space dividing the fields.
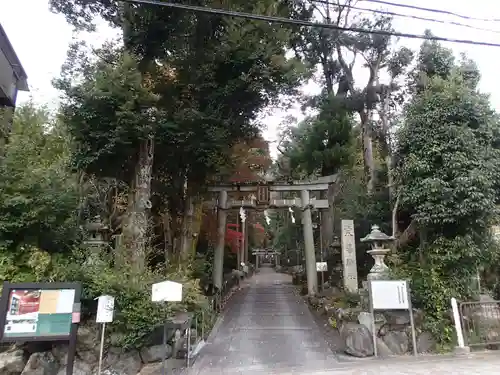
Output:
x=39 y=313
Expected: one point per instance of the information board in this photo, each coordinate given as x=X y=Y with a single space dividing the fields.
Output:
x=41 y=312
x=166 y=291
x=321 y=267
x=105 y=309
x=35 y=312
x=390 y=295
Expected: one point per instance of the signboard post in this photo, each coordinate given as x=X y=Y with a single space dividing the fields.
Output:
x=322 y=267
x=105 y=310
x=166 y=291
x=390 y=295
x=41 y=312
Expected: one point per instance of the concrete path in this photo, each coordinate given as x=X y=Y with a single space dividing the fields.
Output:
x=476 y=364
x=267 y=329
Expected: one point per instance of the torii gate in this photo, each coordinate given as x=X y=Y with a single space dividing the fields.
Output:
x=262 y=199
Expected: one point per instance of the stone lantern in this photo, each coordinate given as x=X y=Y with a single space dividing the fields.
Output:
x=335 y=255
x=336 y=245
x=378 y=241
x=96 y=233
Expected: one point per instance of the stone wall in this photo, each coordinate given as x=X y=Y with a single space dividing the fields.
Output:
x=393 y=332
x=51 y=359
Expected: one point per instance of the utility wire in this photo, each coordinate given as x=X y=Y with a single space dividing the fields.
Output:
x=290 y=21
x=394 y=14
x=432 y=10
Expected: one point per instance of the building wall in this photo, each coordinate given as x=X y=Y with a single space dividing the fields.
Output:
x=8 y=82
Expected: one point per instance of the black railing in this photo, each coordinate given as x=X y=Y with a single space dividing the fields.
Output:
x=480 y=323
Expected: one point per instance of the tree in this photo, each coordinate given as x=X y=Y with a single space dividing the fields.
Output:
x=208 y=77
x=250 y=160
x=446 y=177
x=433 y=60
x=110 y=113
x=38 y=194
x=322 y=144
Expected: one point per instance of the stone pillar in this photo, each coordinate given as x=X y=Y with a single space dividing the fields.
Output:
x=218 y=271
x=349 y=264
x=312 y=279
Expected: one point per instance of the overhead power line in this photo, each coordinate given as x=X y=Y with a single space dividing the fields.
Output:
x=432 y=10
x=395 y=14
x=290 y=21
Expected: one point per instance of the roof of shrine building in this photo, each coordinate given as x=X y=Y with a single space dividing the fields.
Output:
x=10 y=55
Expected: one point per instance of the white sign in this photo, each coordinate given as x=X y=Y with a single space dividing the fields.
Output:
x=389 y=294
x=105 y=309
x=321 y=267
x=349 y=265
x=166 y=291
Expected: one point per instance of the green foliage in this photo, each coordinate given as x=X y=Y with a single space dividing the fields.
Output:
x=445 y=170
x=136 y=316
x=38 y=196
x=30 y=264
x=446 y=176
x=108 y=112
x=323 y=143
x=211 y=76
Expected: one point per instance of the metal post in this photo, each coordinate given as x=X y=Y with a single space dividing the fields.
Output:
x=412 y=321
x=243 y=240
x=188 y=347
x=221 y=234
x=312 y=279
x=372 y=317
x=321 y=250
x=245 y=248
x=101 y=350
x=238 y=252
x=164 y=365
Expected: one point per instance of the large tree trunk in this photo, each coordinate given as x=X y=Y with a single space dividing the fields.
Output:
x=135 y=229
x=196 y=227
x=365 y=115
x=385 y=139
x=368 y=161
x=187 y=230
x=327 y=219
x=167 y=236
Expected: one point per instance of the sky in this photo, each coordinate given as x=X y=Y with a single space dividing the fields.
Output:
x=41 y=38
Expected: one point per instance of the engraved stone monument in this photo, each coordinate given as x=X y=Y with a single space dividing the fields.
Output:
x=350 y=269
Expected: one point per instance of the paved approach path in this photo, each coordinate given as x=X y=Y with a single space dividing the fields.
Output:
x=267 y=329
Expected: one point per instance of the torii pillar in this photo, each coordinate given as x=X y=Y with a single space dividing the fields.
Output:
x=218 y=271
x=310 y=254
